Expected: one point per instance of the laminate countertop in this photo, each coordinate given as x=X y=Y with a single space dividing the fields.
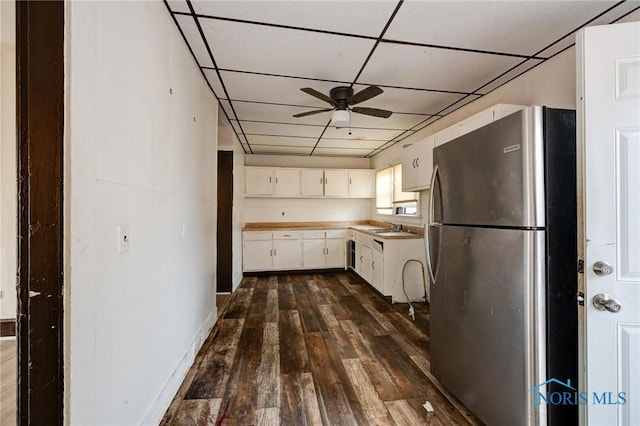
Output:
x=370 y=227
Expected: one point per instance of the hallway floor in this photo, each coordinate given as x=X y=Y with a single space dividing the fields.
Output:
x=311 y=349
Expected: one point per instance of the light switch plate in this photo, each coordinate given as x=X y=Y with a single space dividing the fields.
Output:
x=124 y=238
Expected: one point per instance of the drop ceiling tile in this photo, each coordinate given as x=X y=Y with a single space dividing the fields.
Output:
x=396 y=121
x=361 y=134
x=283 y=90
x=428 y=68
x=255 y=128
x=339 y=16
x=266 y=149
x=190 y=30
x=333 y=152
x=411 y=100
x=350 y=143
x=282 y=141
x=214 y=81
x=606 y=18
x=518 y=70
x=280 y=51
x=178 y=6
x=519 y=27
x=276 y=114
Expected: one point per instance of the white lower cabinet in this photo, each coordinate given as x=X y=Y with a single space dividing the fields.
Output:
x=377 y=271
x=287 y=254
x=257 y=255
x=363 y=261
x=293 y=250
x=335 y=253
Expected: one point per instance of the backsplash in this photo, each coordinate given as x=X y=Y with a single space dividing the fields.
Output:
x=306 y=209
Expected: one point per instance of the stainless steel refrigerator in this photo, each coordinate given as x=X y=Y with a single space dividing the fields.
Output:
x=501 y=248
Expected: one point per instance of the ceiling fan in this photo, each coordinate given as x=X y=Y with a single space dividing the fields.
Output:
x=341 y=99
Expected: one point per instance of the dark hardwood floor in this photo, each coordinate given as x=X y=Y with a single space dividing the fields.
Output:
x=312 y=349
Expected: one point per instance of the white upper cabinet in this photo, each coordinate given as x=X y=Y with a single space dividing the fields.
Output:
x=258 y=181
x=417 y=165
x=475 y=122
x=336 y=183
x=312 y=182
x=287 y=182
x=362 y=183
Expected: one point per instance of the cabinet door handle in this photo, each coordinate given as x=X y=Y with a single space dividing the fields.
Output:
x=270 y=252
x=274 y=252
x=360 y=259
x=276 y=179
x=269 y=179
x=349 y=181
x=286 y=235
x=320 y=180
x=413 y=163
x=373 y=265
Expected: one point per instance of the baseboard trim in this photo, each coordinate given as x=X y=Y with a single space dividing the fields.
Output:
x=236 y=281
x=170 y=389
x=7 y=327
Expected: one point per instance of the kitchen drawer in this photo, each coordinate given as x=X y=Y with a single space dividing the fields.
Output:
x=337 y=233
x=287 y=235
x=313 y=235
x=256 y=236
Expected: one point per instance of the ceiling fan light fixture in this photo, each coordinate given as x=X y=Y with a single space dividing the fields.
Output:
x=340 y=118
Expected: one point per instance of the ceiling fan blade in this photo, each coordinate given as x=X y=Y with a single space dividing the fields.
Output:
x=319 y=95
x=304 y=114
x=364 y=94
x=383 y=113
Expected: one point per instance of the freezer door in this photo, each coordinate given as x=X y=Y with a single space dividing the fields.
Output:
x=487 y=321
x=493 y=176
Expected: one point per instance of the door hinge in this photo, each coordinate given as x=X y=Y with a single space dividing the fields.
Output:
x=580 y=298
x=580 y=266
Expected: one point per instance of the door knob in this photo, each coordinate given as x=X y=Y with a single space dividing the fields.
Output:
x=604 y=302
x=602 y=268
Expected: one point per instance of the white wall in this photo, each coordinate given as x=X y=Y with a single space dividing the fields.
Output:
x=552 y=84
x=8 y=186
x=306 y=209
x=238 y=210
x=135 y=154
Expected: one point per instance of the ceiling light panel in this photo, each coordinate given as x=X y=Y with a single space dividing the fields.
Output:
x=272 y=50
x=287 y=150
x=518 y=27
x=338 y=16
x=333 y=152
x=428 y=68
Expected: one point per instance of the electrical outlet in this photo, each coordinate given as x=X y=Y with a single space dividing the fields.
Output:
x=124 y=238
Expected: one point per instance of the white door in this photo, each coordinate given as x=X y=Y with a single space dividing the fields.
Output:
x=609 y=137
x=377 y=271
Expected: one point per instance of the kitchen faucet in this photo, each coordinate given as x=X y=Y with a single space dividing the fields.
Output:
x=395 y=227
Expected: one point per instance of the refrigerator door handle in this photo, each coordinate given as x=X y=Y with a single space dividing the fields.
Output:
x=427 y=228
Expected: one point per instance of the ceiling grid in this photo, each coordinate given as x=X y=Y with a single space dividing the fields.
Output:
x=429 y=58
